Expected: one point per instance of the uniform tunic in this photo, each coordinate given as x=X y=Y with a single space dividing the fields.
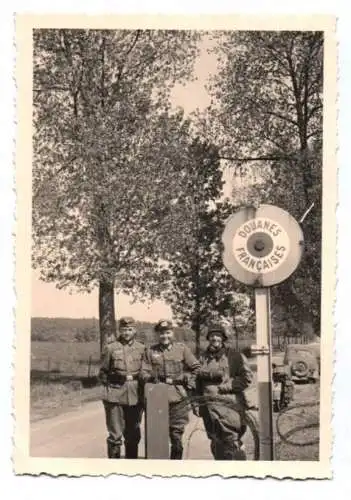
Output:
x=119 y=374
x=120 y=360
x=227 y=383
x=172 y=362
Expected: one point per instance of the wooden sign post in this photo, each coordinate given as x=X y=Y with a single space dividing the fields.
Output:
x=264 y=371
x=262 y=247
x=156 y=421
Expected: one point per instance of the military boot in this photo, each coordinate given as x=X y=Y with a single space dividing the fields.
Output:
x=217 y=450
x=131 y=450
x=176 y=453
x=113 y=450
x=232 y=450
x=240 y=453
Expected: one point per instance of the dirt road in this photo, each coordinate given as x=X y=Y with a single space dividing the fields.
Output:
x=82 y=434
x=76 y=434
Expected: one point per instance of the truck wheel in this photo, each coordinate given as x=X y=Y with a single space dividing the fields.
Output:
x=300 y=369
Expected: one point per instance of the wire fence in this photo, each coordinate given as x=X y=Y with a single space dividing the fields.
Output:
x=50 y=369
x=303 y=421
x=63 y=362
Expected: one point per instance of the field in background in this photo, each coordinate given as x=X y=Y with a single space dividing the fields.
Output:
x=65 y=354
x=50 y=359
x=64 y=360
x=70 y=358
x=63 y=375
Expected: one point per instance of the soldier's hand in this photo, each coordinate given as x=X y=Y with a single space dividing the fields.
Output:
x=144 y=378
x=211 y=375
x=225 y=388
x=102 y=377
x=196 y=410
x=189 y=382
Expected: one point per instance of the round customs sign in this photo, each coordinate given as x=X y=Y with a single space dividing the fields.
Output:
x=262 y=246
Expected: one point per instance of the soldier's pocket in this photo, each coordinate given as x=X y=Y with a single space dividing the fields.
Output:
x=156 y=359
x=118 y=362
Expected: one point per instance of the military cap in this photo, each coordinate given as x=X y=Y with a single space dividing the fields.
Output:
x=217 y=328
x=163 y=324
x=126 y=321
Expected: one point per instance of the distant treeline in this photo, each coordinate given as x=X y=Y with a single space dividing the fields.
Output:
x=87 y=330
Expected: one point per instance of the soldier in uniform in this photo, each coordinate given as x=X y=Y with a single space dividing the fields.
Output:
x=167 y=362
x=119 y=374
x=226 y=381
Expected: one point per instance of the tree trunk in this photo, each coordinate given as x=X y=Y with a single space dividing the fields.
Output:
x=197 y=323
x=235 y=330
x=197 y=340
x=196 y=327
x=316 y=324
x=237 y=345
x=107 y=321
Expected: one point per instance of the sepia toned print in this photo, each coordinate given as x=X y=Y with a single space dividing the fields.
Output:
x=175 y=250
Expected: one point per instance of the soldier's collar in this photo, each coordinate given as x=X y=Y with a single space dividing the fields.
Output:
x=216 y=353
x=167 y=347
x=127 y=342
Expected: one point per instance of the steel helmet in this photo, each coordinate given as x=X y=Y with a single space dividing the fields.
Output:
x=217 y=328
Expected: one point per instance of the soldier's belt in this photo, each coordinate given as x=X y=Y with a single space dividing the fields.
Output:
x=169 y=380
x=211 y=379
x=122 y=379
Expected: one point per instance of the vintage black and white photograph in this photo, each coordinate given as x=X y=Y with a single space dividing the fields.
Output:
x=179 y=237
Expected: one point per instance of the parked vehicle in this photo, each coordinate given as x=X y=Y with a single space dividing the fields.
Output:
x=282 y=385
x=304 y=361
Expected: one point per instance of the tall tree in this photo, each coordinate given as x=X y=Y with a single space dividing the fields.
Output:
x=107 y=156
x=267 y=120
x=200 y=289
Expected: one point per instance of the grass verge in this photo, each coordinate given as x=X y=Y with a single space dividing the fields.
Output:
x=49 y=398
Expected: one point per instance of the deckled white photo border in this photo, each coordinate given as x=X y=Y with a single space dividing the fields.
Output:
x=23 y=463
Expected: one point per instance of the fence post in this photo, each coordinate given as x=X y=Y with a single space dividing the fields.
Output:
x=48 y=370
x=89 y=366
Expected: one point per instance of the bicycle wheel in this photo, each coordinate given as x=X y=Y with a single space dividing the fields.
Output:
x=197 y=445
x=251 y=438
